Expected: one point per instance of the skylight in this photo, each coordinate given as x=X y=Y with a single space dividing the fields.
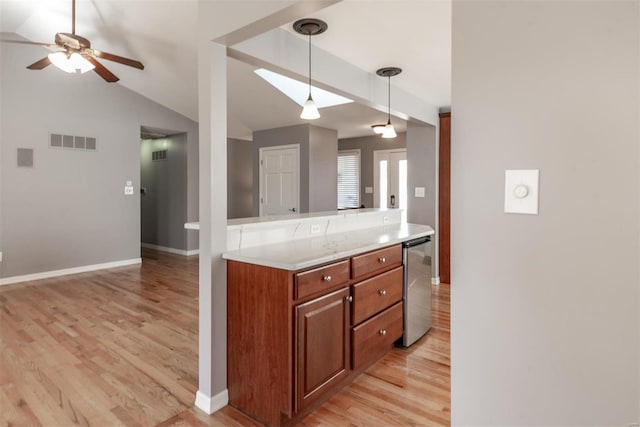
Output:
x=299 y=91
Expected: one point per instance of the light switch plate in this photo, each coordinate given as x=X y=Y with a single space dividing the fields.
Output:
x=419 y=192
x=128 y=190
x=521 y=191
x=368 y=190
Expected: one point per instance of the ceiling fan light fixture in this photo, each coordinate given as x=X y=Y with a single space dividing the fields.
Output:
x=310 y=27
x=379 y=128
x=70 y=63
x=309 y=110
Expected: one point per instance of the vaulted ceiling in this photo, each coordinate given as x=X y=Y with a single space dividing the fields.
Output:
x=414 y=35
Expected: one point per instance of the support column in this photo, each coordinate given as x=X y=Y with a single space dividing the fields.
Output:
x=212 y=353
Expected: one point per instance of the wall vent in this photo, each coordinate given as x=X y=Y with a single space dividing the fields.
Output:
x=157 y=156
x=69 y=142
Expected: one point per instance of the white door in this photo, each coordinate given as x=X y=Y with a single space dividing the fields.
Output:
x=279 y=180
x=390 y=179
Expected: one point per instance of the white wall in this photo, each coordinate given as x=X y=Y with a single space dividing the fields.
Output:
x=70 y=210
x=545 y=327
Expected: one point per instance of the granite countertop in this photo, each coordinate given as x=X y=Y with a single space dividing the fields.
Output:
x=303 y=253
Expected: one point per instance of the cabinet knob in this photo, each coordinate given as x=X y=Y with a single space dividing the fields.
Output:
x=348 y=298
x=382 y=260
x=383 y=332
x=382 y=292
x=326 y=278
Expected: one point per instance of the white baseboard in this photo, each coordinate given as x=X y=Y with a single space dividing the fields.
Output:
x=435 y=280
x=67 y=271
x=171 y=250
x=209 y=405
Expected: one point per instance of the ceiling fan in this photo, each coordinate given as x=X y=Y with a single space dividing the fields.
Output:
x=77 y=54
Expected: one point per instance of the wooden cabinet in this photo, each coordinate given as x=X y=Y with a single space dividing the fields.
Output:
x=322 y=347
x=295 y=337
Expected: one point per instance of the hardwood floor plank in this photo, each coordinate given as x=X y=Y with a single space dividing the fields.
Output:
x=119 y=348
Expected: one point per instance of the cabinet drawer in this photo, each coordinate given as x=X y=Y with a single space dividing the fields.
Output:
x=374 y=337
x=321 y=279
x=376 y=294
x=380 y=260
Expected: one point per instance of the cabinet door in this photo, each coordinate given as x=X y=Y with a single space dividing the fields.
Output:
x=322 y=347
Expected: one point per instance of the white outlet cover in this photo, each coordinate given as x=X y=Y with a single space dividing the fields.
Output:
x=521 y=191
x=128 y=190
x=129 y=183
x=368 y=190
x=419 y=192
x=315 y=229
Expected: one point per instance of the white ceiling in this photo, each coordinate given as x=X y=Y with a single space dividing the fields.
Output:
x=414 y=35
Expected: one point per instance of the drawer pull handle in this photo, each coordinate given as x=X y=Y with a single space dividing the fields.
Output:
x=383 y=332
x=382 y=260
x=348 y=298
x=326 y=278
x=382 y=292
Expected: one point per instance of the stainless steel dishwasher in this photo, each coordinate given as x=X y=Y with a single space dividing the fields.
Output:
x=416 y=294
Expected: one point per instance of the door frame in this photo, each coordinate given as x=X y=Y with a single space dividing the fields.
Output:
x=261 y=151
x=376 y=173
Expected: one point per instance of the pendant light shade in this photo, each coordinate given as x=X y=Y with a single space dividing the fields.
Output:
x=388 y=131
x=310 y=27
x=310 y=111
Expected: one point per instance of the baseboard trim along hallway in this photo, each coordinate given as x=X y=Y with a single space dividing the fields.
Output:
x=67 y=271
x=171 y=250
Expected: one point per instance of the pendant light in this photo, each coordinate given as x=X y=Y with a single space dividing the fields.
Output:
x=389 y=131
x=310 y=27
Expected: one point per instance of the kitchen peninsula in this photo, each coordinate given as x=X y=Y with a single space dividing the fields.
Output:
x=312 y=301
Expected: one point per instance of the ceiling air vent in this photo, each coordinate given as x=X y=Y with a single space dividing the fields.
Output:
x=86 y=143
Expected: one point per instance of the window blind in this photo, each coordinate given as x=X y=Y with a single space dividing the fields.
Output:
x=348 y=179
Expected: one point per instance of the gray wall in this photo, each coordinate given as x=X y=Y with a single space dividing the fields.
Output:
x=367 y=145
x=545 y=327
x=163 y=208
x=323 y=169
x=239 y=178
x=421 y=171
x=70 y=210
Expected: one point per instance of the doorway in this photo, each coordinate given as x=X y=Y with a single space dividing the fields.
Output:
x=163 y=190
x=390 y=180
x=280 y=180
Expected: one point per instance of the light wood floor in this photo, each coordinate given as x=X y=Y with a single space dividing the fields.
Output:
x=119 y=347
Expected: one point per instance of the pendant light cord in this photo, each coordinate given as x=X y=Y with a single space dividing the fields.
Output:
x=389 y=100
x=309 y=64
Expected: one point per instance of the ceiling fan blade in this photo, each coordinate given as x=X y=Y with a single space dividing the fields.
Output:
x=39 y=65
x=119 y=59
x=102 y=70
x=28 y=42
